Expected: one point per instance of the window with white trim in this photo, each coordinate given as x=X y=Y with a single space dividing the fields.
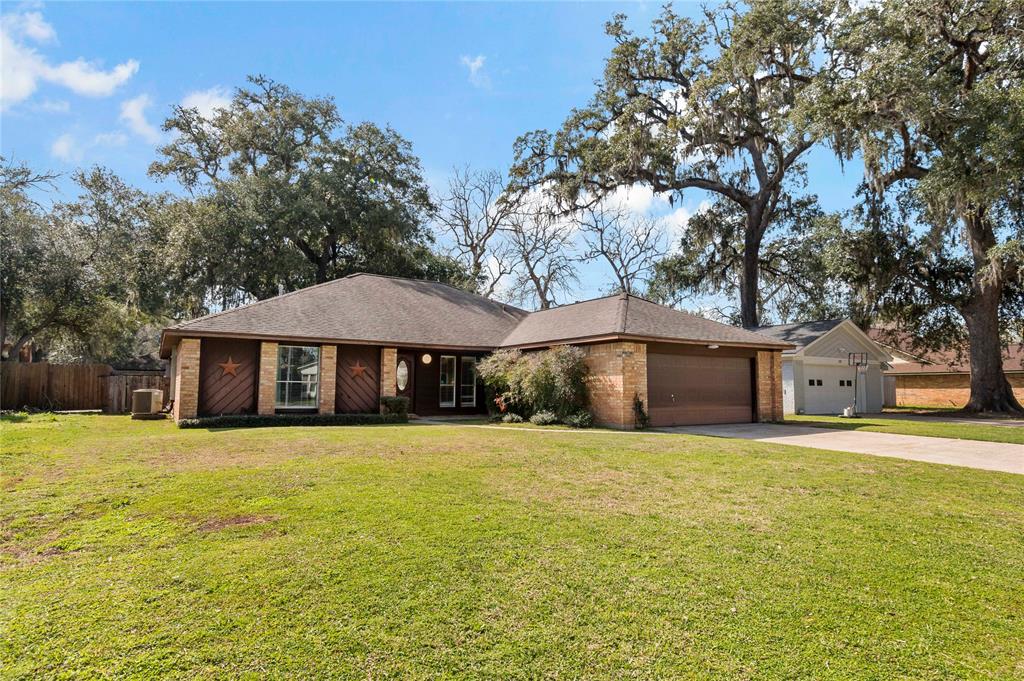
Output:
x=467 y=382
x=447 y=380
x=298 y=376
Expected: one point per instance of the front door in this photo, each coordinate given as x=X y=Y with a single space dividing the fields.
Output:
x=405 y=377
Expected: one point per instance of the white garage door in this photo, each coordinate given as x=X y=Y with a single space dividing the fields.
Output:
x=829 y=389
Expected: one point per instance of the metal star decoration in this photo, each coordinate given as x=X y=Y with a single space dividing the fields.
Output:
x=357 y=369
x=229 y=367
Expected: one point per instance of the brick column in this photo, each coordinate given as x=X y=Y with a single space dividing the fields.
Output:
x=618 y=372
x=328 y=377
x=266 y=393
x=769 y=385
x=186 y=379
x=388 y=370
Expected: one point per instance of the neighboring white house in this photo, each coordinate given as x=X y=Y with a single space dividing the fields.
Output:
x=817 y=377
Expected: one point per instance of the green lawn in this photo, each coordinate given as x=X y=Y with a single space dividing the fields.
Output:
x=880 y=424
x=135 y=549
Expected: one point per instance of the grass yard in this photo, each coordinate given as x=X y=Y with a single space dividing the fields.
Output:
x=136 y=549
x=961 y=431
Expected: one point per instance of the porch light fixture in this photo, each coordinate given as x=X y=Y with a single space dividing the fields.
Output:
x=712 y=347
x=426 y=358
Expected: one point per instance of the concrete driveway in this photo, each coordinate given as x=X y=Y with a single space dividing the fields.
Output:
x=990 y=456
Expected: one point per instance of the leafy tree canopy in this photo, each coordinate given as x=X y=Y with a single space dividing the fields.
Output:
x=286 y=195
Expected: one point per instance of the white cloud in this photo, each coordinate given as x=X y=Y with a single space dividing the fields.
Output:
x=133 y=114
x=207 y=101
x=70 y=149
x=66 y=148
x=55 y=105
x=86 y=78
x=477 y=75
x=30 y=25
x=23 y=67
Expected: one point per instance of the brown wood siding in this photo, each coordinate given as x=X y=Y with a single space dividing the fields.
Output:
x=357 y=394
x=221 y=392
x=428 y=385
x=699 y=385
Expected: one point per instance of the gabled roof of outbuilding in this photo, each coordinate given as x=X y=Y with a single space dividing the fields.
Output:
x=628 y=316
x=800 y=334
x=380 y=310
x=814 y=337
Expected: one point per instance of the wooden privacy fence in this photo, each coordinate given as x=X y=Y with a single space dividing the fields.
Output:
x=120 y=385
x=42 y=385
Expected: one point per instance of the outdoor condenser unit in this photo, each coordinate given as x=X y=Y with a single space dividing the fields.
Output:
x=146 y=403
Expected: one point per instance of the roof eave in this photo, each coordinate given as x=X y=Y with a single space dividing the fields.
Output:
x=174 y=332
x=598 y=338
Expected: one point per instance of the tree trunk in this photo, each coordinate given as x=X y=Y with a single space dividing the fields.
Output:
x=990 y=390
x=750 y=277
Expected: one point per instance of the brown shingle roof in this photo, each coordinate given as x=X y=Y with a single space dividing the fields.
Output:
x=368 y=307
x=800 y=334
x=390 y=310
x=630 y=316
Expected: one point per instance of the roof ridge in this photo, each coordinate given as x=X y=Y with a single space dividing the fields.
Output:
x=439 y=283
x=813 y=321
x=260 y=302
x=353 y=275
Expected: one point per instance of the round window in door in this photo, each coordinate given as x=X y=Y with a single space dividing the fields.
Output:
x=402 y=375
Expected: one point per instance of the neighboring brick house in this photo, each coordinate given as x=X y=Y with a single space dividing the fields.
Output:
x=938 y=379
x=341 y=345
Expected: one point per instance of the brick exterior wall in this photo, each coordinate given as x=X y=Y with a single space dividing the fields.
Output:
x=769 y=385
x=328 y=376
x=265 y=393
x=186 y=379
x=388 y=369
x=618 y=371
x=943 y=390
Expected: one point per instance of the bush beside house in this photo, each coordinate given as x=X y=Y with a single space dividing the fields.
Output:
x=544 y=387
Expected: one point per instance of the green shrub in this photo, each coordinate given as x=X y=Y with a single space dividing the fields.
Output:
x=395 y=405
x=511 y=418
x=544 y=418
x=581 y=419
x=640 y=418
x=253 y=421
x=553 y=380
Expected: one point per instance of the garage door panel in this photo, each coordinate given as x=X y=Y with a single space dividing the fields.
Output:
x=692 y=389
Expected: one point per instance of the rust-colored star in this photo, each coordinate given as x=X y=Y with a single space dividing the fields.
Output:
x=229 y=367
x=357 y=369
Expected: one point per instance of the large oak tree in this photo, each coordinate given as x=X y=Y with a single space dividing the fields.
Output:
x=289 y=195
x=696 y=105
x=931 y=94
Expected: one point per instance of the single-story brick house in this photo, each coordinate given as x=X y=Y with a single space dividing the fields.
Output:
x=342 y=345
x=939 y=378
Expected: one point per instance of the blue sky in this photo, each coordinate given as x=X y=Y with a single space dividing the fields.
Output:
x=90 y=83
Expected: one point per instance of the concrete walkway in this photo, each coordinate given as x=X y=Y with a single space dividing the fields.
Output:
x=989 y=456
x=963 y=420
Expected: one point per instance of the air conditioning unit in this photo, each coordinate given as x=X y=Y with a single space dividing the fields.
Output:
x=146 y=403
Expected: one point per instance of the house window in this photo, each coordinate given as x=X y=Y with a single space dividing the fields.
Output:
x=467 y=382
x=447 y=381
x=810 y=381
x=298 y=376
x=817 y=381
x=813 y=381
x=402 y=375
